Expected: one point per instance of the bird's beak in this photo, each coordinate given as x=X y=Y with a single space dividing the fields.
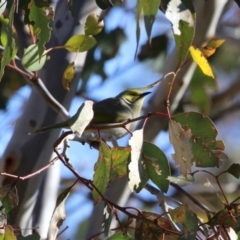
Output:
x=144 y=94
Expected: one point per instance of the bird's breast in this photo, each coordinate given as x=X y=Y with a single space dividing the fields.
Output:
x=118 y=132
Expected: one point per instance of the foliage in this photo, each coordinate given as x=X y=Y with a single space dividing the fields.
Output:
x=192 y=134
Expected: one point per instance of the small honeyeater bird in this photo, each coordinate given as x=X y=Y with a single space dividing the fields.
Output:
x=127 y=105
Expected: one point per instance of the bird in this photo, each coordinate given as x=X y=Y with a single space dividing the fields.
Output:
x=126 y=105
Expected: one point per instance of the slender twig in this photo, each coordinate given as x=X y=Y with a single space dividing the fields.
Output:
x=195 y=201
x=123 y=124
x=160 y=195
x=217 y=180
x=32 y=174
x=60 y=233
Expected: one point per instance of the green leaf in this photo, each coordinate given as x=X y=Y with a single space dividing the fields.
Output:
x=222 y=218
x=34 y=236
x=138 y=30
x=120 y=157
x=80 y=43
x=183 y=41
x=183 y=24
x=68 y=76
x=234 y=169
x=199 y=94
x=9 y=197
x=8 y=40
x=155 y=230
x=150 y=9
x=40 y=16
x=102 y=171
x=30 y=59
x=93 y=24
x=206 y=150
x=187 y=218
x=156 y=165
x=111 y=164
x=120 y=236
x=9 y=233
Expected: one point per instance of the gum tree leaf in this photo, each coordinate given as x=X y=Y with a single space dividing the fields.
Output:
x=211 y=47
x=120 y=157
x=80 y=43
x=102 y=171
x=222 y=218
x=68 y=76
x=82 y=118
x=187 y=219
x=30 y=59
x=59 y=214
x=182 y=16
x=182 y=145
x=234 y=169
x=150 y=9
x=9 y=197
x=199 y=86
x=34 y=236
x=135 y=142
x=8 y=40
x=120 y=236
x=40 y=16
x=93 y=24
x=206 y=150
x=156 y=165
x=201 y=61
x=146 y=230
x=9 y=233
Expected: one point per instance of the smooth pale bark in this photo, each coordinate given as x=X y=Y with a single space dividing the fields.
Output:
x=25 y=154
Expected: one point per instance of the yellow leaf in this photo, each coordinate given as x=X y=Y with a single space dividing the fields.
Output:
x=211 y=47
x=68 y=76
x=201 y=61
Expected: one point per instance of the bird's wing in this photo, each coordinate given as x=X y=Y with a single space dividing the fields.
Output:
x=105 y=111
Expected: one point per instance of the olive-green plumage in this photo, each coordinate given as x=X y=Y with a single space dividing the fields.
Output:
x=126 y=105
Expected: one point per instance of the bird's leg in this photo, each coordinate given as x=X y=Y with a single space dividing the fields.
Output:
x=114 y=141
x=99 y=135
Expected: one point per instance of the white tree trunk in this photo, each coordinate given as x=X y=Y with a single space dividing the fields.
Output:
x=26 y=154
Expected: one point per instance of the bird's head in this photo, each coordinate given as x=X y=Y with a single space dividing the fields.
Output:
x=133 y=99
x=133 y=96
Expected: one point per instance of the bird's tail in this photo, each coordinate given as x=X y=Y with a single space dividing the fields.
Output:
x=54 y=126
